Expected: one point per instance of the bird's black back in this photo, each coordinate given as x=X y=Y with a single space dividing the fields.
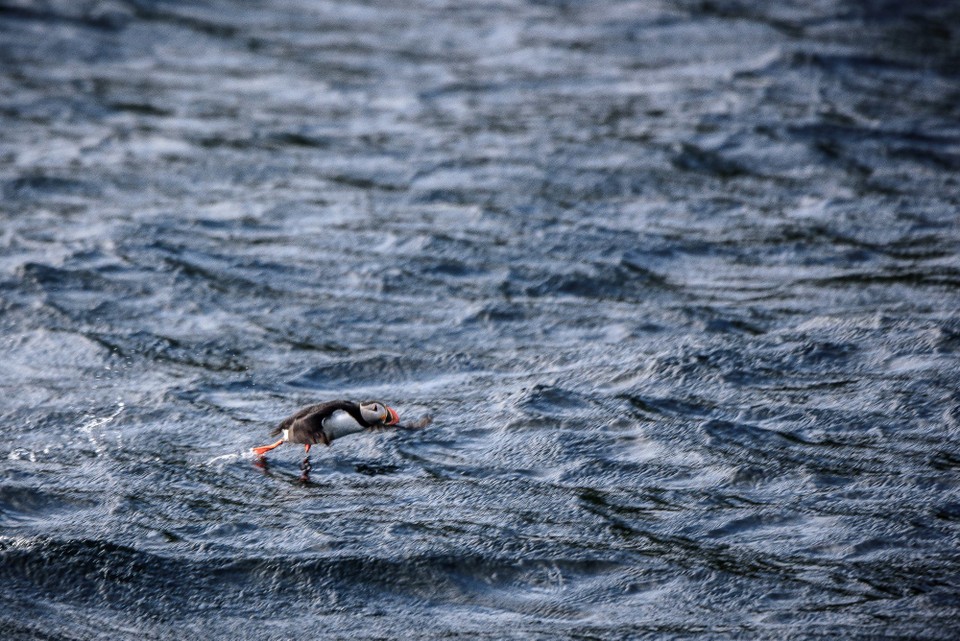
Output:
x=319 y=412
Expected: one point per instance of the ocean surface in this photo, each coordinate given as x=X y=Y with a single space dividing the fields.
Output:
x=678 y=282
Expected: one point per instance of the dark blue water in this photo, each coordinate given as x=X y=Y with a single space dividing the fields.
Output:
x=678 y=281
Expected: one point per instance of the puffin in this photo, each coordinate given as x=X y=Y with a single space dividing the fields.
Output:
x=324 y=422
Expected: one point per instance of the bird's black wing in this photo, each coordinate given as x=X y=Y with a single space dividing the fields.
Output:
x=308 y=429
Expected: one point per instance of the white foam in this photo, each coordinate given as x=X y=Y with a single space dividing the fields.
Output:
x=93 y=423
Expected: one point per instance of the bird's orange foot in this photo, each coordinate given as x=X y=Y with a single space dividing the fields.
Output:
x=260 y=451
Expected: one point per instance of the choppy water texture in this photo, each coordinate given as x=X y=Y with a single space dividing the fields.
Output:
x=678 y=281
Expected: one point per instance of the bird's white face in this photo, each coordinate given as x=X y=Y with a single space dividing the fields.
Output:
x=377 y=413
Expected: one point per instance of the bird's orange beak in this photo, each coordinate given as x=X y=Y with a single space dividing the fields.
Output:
x=394 y=417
